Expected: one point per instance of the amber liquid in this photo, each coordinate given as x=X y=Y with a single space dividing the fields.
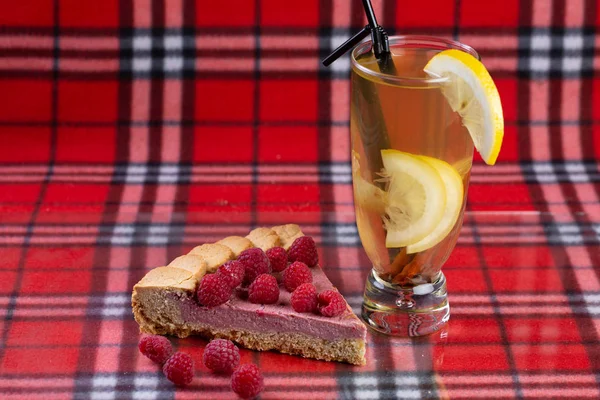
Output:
x=413 y=117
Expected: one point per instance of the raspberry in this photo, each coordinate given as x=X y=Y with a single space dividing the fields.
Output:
x=221 y=356
x=278 y=258
x=255 y=262
x=304 y=249
x=304 y=298
x=213 y=290
x=295 y=275
x=264 y=290
x=179 y=369
x=233 y=272
x=155 y=347
x=247 y=381
x=331 y=303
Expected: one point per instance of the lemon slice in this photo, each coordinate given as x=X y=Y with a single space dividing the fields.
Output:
x=472 y=93
x=416 y=198
x=367 y=195
x=454 y=200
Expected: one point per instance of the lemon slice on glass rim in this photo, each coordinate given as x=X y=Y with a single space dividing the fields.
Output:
x=471 y=92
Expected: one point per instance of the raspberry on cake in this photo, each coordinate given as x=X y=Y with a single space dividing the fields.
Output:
x=233 y=272
x=255 y=262
x=295 y=275
x=278 y=258
x=264 y=290
x=304 y=298
x=213 y=290
x=304 y=249
x=164 y=301
x=331 y=303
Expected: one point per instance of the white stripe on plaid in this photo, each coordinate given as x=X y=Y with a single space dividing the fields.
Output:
x=145 y=387
x=374 y=386
x=103 y=387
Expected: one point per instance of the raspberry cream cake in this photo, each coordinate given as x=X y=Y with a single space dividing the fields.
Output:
x=165 y=302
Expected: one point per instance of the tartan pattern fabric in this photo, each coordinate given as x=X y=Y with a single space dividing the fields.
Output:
x=132 y=130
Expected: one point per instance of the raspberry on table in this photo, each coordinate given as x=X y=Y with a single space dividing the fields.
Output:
x=331 y=303
x=278 y=258
x=255 y=262
x=179 y=369
x=247 y=381
x=295 y=275
x=304 y=249
x=304 y=298
x=157 y=348
x=221 y=356
x=233 y=272
x=213 y=290
x=264 y=290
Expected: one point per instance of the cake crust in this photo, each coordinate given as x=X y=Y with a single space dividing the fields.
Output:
x=287 y=234
x=264 y=238
x=168 y=277
x=214 y=255
x=190 y=262
x=237 y=244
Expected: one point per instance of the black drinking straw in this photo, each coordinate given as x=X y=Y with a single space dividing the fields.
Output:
x=370 y=119
x=379 y=40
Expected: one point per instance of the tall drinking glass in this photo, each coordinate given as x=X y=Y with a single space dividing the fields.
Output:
x=403 y=128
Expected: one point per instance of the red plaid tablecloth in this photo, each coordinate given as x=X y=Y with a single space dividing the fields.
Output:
x=131 y=130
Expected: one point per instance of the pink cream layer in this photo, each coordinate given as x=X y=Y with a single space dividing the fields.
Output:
x=238 y=313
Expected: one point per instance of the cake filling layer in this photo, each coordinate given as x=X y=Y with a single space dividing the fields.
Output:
x=239 y=313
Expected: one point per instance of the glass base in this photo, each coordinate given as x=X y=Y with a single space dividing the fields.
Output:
x=398 y=311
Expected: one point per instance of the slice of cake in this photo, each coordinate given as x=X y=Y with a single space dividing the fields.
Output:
x=164 y=302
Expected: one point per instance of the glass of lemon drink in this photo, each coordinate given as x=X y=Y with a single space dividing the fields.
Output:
x=413 y=133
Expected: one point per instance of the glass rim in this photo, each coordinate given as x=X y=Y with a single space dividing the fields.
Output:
x=415 y=41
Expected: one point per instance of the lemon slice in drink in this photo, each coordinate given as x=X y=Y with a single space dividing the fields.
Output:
x=416 y=198
x=454 y=200
x=472 y=93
